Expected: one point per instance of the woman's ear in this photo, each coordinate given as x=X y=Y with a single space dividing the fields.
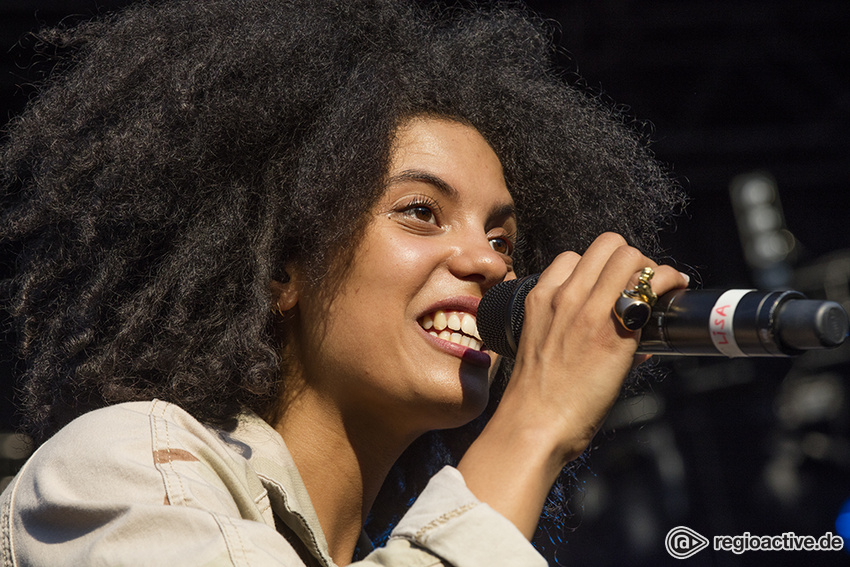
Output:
x=284 y=295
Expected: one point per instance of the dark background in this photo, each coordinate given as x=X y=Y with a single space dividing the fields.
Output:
x=721 y=446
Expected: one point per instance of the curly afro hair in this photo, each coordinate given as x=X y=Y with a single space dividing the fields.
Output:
x=182 y=152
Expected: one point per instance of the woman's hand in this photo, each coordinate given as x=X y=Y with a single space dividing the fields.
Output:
x=572 y=359
x=574 y=355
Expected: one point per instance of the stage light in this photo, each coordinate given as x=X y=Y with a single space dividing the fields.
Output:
x=769 y=247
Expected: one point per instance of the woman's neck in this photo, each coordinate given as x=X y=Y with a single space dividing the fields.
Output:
x=343 y=461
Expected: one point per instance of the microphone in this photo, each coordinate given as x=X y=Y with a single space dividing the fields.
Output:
x=731 y=323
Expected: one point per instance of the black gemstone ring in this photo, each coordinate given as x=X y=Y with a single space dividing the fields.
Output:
x=634 y=307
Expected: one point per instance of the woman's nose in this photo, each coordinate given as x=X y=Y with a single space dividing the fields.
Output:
x=473 y=259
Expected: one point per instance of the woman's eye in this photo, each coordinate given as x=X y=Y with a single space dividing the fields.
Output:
x=421 y=213
x=501 y=245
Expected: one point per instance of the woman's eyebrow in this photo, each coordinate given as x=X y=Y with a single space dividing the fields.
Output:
x=503 y=212
x=500 y=212
x=425 y=177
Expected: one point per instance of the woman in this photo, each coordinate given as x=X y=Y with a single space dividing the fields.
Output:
x=244 y=231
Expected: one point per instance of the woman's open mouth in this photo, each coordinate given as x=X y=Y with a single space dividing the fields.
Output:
x=456 y=327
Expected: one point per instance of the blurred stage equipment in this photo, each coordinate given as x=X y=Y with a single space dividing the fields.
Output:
x=769 y=248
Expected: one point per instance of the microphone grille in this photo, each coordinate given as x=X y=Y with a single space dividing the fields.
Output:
x=501 y=313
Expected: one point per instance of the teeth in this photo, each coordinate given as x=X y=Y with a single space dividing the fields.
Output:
x=468 y=326
x=456 y=327
x=440 y=321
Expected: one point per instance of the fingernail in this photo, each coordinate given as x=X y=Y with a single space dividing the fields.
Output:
x=687 y=277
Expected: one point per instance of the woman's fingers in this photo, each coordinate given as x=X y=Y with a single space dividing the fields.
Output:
x=581 y=290
x=559 y=270
x=574 y=355
x=565 y=286
x=574 y=297
x=660 y=280
x=583 y=271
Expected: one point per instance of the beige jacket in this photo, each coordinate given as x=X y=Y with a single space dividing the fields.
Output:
x=144 y=483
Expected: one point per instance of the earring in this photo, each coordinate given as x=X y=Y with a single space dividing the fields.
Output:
x=277 y=309
x=284 y=294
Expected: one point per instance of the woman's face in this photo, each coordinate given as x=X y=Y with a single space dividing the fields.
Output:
x=397 y=342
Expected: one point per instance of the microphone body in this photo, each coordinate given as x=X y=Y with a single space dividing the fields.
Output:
x=731 y=323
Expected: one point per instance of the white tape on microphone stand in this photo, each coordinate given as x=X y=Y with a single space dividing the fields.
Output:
x=721 y=323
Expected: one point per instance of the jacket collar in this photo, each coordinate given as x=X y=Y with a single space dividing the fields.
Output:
x=266 y=453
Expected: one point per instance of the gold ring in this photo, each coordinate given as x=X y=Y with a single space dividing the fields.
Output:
x=643 y=290
x=634 y=306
